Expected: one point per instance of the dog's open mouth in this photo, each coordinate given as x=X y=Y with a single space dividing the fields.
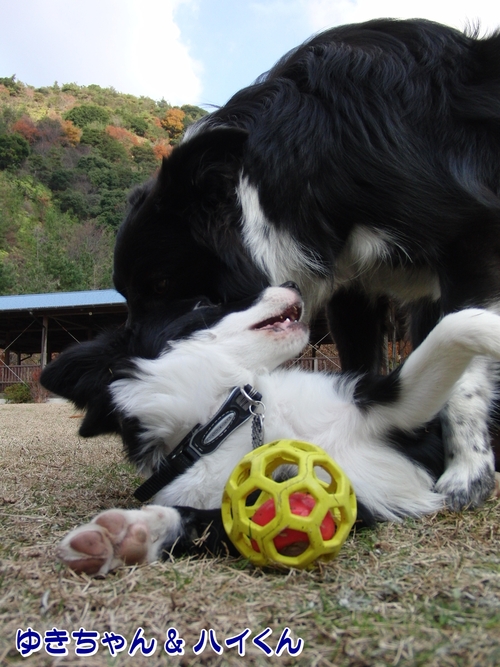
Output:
x=282 y=321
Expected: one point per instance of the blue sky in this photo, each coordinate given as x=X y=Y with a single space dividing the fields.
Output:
x=185 y=51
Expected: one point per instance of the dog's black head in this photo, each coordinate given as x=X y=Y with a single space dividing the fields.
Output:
x=181 y=236
x=84 y=372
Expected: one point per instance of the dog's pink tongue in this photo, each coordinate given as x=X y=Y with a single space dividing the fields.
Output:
x=278 y=325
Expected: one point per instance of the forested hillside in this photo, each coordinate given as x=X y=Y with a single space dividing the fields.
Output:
x=68 y=157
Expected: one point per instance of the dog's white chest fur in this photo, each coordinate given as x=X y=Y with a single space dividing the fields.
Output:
x=367 y=258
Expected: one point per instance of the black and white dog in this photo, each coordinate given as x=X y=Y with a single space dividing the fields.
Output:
x=378 y=428
x=364 y=165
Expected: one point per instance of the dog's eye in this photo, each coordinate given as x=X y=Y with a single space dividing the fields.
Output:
x=160 y=286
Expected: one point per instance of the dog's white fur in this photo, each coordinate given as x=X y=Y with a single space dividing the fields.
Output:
x=189 y=382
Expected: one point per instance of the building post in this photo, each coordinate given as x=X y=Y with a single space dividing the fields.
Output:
x=45 y=331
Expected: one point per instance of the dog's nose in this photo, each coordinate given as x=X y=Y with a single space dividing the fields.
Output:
x=291 y=285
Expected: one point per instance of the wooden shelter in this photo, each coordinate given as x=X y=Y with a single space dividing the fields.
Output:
x=36 y=326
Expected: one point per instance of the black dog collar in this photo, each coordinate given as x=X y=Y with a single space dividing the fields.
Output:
x=202 y=440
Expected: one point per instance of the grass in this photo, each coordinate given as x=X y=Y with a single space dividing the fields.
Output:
x=416 y=593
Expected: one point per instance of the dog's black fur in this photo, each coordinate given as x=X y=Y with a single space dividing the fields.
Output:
x=364 y=165
x=392 y=125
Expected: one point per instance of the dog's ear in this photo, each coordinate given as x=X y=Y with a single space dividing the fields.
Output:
x=82 y=374
x=191 y=164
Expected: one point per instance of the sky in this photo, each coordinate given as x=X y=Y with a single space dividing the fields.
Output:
x=186 y=51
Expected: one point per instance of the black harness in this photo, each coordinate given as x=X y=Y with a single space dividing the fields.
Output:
x=240 y=405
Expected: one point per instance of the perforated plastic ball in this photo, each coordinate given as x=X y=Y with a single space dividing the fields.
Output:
x=306 y=517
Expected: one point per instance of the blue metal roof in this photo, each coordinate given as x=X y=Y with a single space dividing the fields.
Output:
x=55 y=300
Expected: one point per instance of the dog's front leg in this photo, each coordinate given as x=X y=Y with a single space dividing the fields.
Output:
x=127 y=537
x=120 y=537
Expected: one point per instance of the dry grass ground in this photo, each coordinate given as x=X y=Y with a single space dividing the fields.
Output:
x=416 y=593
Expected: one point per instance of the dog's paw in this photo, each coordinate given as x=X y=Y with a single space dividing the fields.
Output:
x=120 y=537
x=464 y=491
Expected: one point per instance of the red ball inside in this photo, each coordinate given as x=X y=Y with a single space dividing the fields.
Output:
x=291 y=542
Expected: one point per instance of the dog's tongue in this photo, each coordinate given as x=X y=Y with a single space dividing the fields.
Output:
x=282 y=321
x=277 y=325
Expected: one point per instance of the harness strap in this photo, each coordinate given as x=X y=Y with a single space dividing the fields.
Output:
x=202 y=440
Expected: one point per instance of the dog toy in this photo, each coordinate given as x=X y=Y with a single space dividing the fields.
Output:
x=306 y=517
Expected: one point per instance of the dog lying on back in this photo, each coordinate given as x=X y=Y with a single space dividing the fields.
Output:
x=154 y=390
x=363 y=166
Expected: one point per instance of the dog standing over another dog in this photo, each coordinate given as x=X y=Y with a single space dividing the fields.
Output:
x=363 y=166
x=154 y=389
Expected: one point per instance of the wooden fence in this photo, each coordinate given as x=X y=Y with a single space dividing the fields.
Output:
x=16 y=374
x=318 y=363
x=30 y=373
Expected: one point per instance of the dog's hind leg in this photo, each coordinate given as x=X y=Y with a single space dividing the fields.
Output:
x=448 y=366
x=469 y=477
x=419 y=389
x=471 y=276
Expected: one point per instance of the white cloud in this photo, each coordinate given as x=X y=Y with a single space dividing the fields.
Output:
x=134 y=46
x=157 y=56
x=457 y=13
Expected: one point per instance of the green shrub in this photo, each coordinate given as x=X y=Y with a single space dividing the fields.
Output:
x=85 y=114
x=18 y=393
x=14 y=149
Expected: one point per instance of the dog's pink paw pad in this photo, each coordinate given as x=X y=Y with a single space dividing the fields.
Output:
x=86 y=551
x=134 y=547
x=90 y=542
x=85 y=565
x=114 y=522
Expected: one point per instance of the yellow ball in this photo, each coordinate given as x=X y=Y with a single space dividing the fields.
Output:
x=313 y=473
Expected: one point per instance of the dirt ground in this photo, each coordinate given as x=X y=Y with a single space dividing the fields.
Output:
x=416 y=593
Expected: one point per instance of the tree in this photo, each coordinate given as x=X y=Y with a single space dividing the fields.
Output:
x=72 y=132
x=137 y=124
x=113 y=205
x=125 y=137
x=60 y=179
x=145 y=158
x=7 y=278
x=173 y=123
x=85 y=114
x=13 y=86
x=193 y=114
x=26 y=128
x=14 y=149
x=109 y=148
x=51 y=135
x=162 y=149
x=75 y=202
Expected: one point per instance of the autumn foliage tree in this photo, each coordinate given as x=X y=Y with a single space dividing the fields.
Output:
x=72 y=132
x=27 y=129
x=173 y=123
x=125 y=137
x=162 y=148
